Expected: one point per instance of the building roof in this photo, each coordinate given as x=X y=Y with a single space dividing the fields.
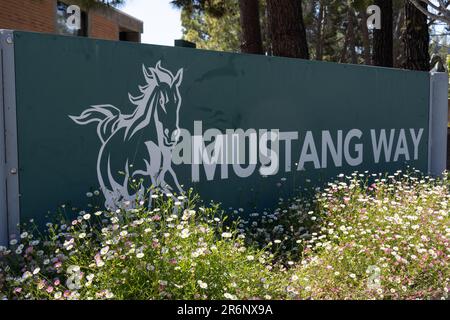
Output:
x=121 y=18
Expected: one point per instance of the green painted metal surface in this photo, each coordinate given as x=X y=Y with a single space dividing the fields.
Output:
x=58 y=77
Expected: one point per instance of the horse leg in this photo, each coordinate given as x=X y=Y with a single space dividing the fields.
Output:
x=162 y=184
x=168 y=187
x=167 y=167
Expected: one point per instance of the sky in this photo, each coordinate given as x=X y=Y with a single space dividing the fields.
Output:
x=162 y=23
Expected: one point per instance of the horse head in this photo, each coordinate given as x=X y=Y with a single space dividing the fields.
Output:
x=167 y=102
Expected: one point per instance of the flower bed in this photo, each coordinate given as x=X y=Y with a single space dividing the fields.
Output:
x=383 y=239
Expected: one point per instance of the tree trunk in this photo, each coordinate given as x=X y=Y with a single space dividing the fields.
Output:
x=365 y=37
x=287 y=29
x=351 y=35
x=343 y=58
x=417 y=38
x=383 y=39
x=251 y=27
x=399 y=43
x=319 y=36
x=267 y=44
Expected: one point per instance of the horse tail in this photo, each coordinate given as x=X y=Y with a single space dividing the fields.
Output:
x=107 y=117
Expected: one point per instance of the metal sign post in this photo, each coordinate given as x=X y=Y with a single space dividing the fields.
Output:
x=438 y=123
x=3 y=206
x=9 y=208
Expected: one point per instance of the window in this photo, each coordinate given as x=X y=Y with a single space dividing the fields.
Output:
x=61 y=21
x=127 y=35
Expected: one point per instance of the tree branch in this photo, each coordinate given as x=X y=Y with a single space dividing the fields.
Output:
x=443 y=14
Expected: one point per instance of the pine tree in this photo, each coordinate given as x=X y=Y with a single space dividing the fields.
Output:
x=287 y=29
x=212 y=32
x=383 y=54
x=250 y=26
x=417 y=39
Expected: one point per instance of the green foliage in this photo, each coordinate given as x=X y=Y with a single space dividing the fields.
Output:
x=363 y=237
x=176 y=251
x=333 y=27
x=211 y=32
x=99 y=3
x=383 y=239
x=215 y=25
x=215 y=8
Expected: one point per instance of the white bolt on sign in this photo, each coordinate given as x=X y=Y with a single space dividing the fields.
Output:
x=374 y=21
x=74 y=19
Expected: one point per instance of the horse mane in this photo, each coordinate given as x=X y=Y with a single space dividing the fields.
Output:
x=145 y=102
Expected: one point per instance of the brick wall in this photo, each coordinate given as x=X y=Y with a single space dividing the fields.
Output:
x=30 y=15
x=40 y=16
x=103 y=28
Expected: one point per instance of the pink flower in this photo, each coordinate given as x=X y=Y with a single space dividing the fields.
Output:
x=17 y=290
x=57 y=282
x=156 y=218
x=49 y=289
x=66 y=293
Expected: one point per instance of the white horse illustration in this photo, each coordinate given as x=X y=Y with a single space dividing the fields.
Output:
x=151 y=130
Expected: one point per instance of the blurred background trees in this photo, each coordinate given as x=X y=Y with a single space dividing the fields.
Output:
x=211 y=29
x=326 y=30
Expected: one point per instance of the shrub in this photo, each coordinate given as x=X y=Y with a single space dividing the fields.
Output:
x=383 y=240
x=175 y=251
x=361 y=237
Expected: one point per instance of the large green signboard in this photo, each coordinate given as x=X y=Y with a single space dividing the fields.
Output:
x=242 y=130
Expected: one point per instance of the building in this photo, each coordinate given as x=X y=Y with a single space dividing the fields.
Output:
x=50 y=16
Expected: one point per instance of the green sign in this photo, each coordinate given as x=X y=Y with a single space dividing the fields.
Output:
x=242 y=130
